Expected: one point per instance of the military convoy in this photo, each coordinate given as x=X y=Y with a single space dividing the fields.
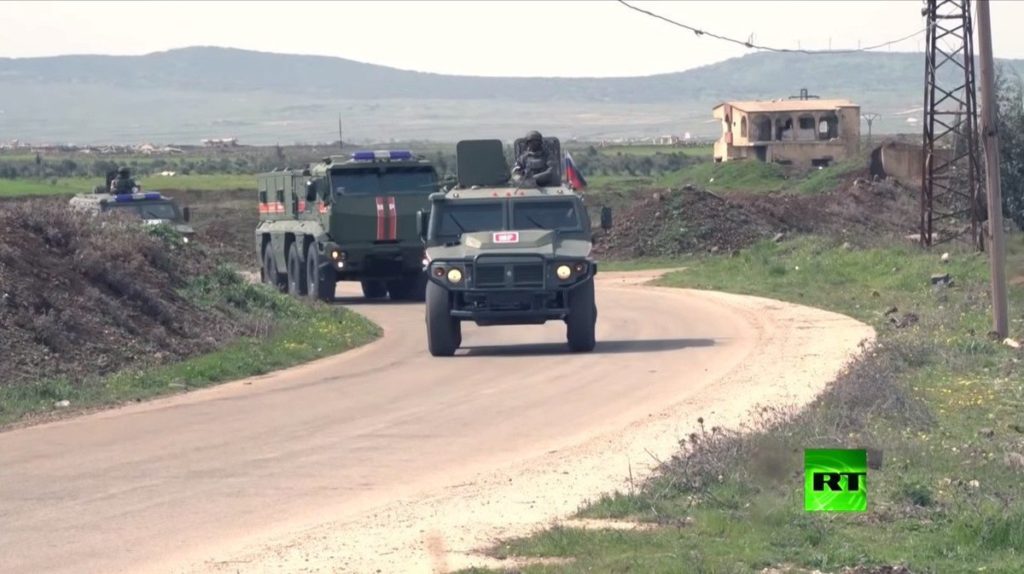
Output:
x=489 y=249
x=345 y=218
x=500 y=253
x=152 y=207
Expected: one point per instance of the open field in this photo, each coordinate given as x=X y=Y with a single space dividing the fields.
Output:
x=71 y=186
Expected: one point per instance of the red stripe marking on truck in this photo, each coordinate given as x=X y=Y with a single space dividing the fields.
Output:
x=393 y=218
x=380 y=218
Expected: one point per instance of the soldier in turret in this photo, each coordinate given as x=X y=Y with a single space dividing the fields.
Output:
x=534 y=163
x=123 y=183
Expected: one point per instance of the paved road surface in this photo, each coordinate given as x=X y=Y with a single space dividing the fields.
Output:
x=180 y=480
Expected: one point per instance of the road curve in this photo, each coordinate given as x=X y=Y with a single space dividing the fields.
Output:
x=386 y=457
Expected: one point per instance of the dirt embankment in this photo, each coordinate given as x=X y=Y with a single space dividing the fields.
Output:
x=663 y=223
x=224 y=221
x=81 y=295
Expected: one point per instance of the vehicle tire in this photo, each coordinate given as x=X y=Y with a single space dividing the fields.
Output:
x=296 y=271
x=582 y=319
x=444 y=333
x=374 y=289
x=270 y=275
x=320 y=279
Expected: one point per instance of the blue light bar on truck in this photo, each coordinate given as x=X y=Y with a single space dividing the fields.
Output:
x=381 y=155
x=125 y=197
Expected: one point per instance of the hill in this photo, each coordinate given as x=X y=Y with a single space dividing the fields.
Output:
x=187 y=94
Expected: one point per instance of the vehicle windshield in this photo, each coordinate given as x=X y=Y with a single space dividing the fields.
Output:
x=371 y=181
x=147 y=210
x=454 y=219
x=547 y=214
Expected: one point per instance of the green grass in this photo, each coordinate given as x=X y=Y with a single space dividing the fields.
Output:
x=298 y=332
x=828 y=178
x=748 y=176
x=641 y=264
x=939 y=398
x=70 y=186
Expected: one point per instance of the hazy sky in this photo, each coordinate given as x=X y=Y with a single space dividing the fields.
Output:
x=488 y=38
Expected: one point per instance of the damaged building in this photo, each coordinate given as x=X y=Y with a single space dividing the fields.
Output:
x=801 y=132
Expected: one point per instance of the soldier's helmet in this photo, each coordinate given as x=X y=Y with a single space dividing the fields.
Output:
x=533 y=136
x=123 y=171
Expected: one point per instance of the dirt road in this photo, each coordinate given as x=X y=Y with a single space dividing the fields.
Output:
x=387 y=458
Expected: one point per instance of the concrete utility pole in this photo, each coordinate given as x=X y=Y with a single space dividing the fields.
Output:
x=990 y=139
x=341 y=141
x=870 y=117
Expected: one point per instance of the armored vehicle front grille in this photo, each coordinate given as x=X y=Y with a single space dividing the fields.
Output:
x=509 y=274
x=490 y=275
x=528 y=275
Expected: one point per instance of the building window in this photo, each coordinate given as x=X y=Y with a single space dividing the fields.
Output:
x=763 y=129
x=828 y=127
x=743 y=126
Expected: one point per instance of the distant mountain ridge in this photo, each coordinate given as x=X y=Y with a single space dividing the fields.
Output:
x=198 y=89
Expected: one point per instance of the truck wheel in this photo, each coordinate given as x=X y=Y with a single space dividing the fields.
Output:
x=270 y=275
x=296 y=271
x=444 y=333
x=374 y=289
x=582 y=319
x=320 y=279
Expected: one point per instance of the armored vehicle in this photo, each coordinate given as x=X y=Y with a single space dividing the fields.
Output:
x=152 y=207
x=500 y=253
x=345 y=218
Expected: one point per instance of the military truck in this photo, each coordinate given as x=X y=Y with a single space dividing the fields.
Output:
x=151 y=207
x=500 y=253
x=345 y=218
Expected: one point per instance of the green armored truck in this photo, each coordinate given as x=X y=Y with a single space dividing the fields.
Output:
x=504 y=253
x=153 y=208
x=346 y=218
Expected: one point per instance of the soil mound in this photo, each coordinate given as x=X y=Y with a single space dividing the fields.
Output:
x=83 y=295
x=664 y=223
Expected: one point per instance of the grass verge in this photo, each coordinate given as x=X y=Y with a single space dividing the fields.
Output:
x=283 y=332
x=936 y=396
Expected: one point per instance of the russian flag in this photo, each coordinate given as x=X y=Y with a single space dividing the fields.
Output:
x=573 y=174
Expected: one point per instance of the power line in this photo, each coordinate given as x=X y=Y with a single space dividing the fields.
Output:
x=749 y=43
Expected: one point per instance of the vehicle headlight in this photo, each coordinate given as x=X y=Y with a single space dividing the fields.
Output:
x=563 y=272
x=454 y=275
x=184 y=239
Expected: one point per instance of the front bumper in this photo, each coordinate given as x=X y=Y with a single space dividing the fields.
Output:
x=510 y=290
x=375 y=261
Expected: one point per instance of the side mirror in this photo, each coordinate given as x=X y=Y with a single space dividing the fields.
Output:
x=422 y=223
x=310 y=191
x=186 y=214
x=606 y=218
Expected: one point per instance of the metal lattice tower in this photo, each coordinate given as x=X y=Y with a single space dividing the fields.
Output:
x=951 y=180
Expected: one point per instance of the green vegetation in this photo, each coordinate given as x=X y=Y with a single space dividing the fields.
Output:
x=287 y=332
x=828 y=178
x=941 y=400
x=749 y=176
x=71 y=186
